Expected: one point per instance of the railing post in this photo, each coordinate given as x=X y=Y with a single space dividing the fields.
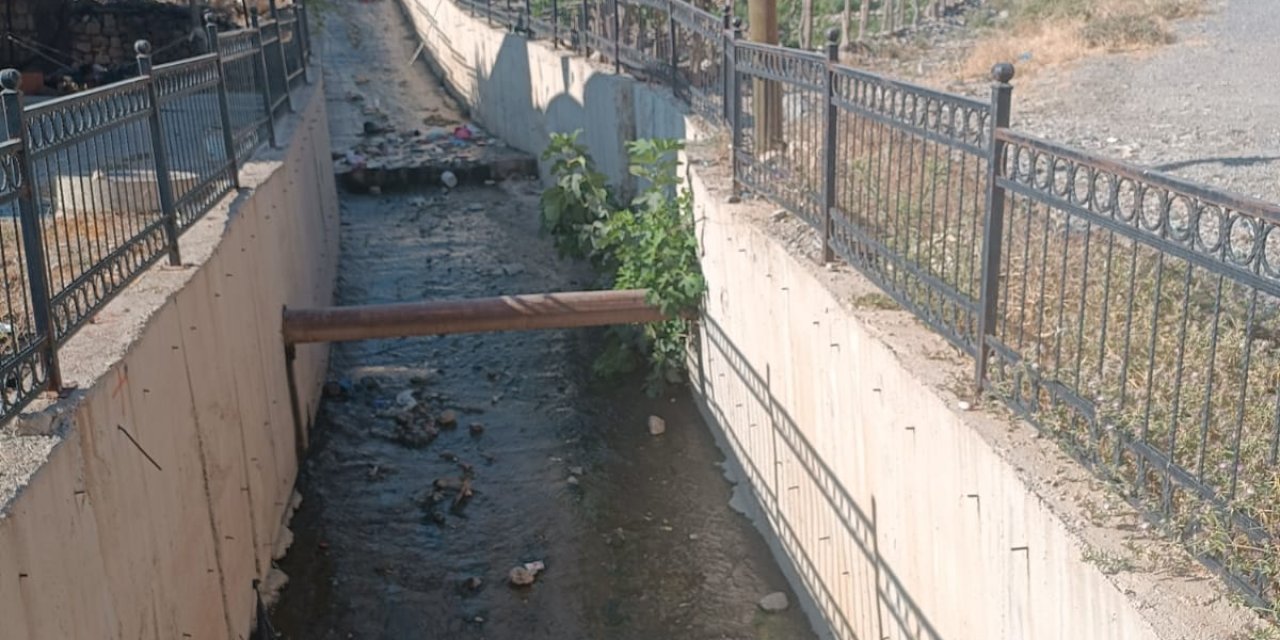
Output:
x=32 y=232
x=284 y=59
x=617 y=37
x=164 y=181
x=733 y=97
x=829 y=145
x=224 y=104
x=528 y=19
x=260 y=76
x=304 y=39
x=671 y=35
x=726 y=48
x=586 y=27
x=993 y=230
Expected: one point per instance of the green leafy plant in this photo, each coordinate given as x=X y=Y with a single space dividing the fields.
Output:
x=579 y=199
x=650 y=245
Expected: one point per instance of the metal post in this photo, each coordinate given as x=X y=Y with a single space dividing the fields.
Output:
x=726 y=47
x=671 y=35
x=555 y=24
x=304 y=38
x=260 y=76
x=224 y=104
x=586 y=27
x=829 y=145
x=993 y=231
x=164 y=181
x=284 y=59
x=528 y=18
x=32 y=233
x=617 y=37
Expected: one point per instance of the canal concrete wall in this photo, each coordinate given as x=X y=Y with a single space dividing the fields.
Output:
x=900 y=511
x=170 y=471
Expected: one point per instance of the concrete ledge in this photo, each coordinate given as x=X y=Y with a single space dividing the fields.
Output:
x=169 y=472
x=901 y=515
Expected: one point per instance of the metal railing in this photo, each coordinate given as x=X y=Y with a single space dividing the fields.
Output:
x=97 y=186
x=1129 y=314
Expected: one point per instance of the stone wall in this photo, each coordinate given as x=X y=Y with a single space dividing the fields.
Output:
x=104 y=34
x=88 y=33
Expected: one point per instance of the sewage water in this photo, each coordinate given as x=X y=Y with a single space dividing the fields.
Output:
x=635 y=530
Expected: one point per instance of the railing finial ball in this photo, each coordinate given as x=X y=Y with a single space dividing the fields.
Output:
x=833 y=36
x=1002 y=72
x=142 y=48
x=10 y=79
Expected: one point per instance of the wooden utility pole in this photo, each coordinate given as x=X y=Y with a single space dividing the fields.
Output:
x=766 y=103
x=845 y=18
x=806 y=24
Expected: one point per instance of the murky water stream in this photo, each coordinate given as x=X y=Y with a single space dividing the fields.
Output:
x=635 y=530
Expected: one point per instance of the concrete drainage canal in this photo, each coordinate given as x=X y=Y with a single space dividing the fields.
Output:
x=486 y=485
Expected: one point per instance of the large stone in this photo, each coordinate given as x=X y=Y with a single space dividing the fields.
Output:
x=774 y=602
x=657 y=426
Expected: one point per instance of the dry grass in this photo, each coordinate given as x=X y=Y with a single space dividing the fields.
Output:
x=74 y=243
x=1046 y=33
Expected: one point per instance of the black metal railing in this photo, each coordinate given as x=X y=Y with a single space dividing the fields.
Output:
x=1131 y=315
x=97 y=186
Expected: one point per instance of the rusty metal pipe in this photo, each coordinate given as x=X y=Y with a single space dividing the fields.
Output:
x=440 y=317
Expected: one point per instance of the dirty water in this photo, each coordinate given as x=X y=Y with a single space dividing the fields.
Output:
x=635 y=530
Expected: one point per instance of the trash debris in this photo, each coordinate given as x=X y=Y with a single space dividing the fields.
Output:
x=525 y=574
x=406 y=400
x=449 y=180
x=464 y=495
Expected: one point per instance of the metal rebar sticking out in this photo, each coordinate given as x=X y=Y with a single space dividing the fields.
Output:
x=476 y=315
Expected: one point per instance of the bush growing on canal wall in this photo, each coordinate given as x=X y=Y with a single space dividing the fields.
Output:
x=647 y=245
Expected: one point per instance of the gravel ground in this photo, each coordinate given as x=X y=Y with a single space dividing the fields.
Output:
x=1206 y=108
x=20 y=457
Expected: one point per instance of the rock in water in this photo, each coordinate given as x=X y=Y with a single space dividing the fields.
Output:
x=448 y=419
x=449 y=180
x=657 y=426
x=774 y=602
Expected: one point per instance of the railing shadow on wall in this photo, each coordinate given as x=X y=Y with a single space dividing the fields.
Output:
x=848 y=544
x=96 y=187
x=1123 y=312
